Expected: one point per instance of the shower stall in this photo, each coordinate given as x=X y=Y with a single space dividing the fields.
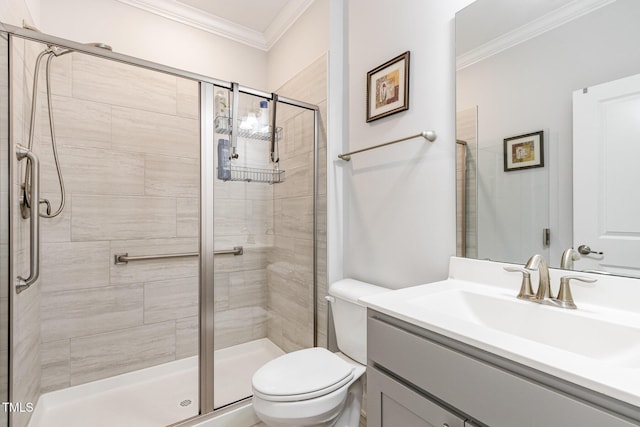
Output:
x=162 y=235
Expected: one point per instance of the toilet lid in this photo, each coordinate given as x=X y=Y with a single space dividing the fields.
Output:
x=302 y=374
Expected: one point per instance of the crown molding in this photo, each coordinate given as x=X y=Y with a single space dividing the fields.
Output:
x=285 y=19
x=196 y=18
x=547 y=22
x=213 y=24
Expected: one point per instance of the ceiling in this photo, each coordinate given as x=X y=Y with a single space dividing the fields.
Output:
x=254 y=14
x=257 y=23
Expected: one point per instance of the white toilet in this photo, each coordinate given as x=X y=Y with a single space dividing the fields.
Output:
x=315 y=387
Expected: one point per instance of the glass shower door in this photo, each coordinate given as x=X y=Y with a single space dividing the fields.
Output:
x=4 y=226
x=116 y=328
x=245 y=177
x=109 y=331
x=263 y=299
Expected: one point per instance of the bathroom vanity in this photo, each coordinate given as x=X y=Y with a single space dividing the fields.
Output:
x=460 y=353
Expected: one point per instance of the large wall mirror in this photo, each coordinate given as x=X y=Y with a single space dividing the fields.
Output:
x=548 y=130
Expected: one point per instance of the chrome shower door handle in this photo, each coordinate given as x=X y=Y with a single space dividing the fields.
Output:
x=34 y=219
x=235 y=88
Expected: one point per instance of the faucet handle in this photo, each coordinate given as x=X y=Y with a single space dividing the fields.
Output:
x=565 y=299
x=526 y=291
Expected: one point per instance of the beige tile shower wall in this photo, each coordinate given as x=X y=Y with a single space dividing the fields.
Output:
x=128 y=144
x=290 y=270
x=243 y=217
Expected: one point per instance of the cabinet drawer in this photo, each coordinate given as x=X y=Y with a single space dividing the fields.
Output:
x=391 y=404
x=489 y=394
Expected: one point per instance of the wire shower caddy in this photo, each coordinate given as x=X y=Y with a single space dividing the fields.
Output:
x=223 y=125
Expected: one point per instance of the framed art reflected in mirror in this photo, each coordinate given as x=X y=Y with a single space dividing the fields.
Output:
x=524 y=151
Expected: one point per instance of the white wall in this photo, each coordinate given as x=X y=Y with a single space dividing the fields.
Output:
x=301 y=45
x=134 y=32
x=337 y=131
x=13 y=12
x=141 y=34
x=34 y=9
x=137 y=33
x=400 y=200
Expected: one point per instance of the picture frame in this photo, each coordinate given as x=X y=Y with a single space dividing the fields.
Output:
x=388 y=88
x=524 y=151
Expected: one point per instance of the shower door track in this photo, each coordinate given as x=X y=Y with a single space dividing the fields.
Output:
x=131 y=60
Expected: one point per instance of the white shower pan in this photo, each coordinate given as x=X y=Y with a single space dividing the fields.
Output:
x=156 y=396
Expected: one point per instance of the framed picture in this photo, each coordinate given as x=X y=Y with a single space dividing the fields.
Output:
x=524 y=151
x=388 y=88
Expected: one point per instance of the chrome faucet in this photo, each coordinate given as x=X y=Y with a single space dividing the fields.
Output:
x=543 y=294
x=537 y=262
x=568 y=256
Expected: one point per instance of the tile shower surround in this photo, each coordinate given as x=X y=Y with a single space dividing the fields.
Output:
x=128 y=141
x=290 y=270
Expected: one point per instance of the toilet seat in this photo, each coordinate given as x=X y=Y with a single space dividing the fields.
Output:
x=302 y=375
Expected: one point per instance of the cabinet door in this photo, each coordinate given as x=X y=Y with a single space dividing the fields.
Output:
x=391 y=404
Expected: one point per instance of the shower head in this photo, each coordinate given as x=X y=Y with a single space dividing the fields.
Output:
x=56 y=50
x=100 y=45
x=28 y=26
x=59 y=51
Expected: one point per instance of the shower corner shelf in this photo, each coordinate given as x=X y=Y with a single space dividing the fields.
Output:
x=242 y=173
x=223 y=126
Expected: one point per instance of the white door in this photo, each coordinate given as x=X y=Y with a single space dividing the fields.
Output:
x=606 y=176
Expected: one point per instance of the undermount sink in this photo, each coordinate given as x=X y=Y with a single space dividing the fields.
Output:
x=569 y=330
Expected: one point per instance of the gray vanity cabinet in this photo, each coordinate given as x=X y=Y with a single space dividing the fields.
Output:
x=416 y=377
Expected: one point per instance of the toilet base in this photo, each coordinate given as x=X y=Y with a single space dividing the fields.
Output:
x=346 y=413
x=350 y=415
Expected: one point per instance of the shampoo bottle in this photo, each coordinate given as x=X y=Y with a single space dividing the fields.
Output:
x=224 y=160
x=263 y=117
x=221 y=108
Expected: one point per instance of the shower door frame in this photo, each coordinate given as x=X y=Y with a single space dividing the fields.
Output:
x=207 y=168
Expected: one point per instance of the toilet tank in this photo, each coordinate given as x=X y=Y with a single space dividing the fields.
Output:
x=350 y=317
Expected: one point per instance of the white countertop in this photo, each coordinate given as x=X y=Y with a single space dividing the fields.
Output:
x=603 y=367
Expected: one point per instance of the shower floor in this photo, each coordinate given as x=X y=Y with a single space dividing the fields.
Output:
x=156 y=396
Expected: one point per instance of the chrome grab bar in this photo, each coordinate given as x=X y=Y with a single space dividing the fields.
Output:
x=427 y=134
x=125 y=258
x=34 y=219
x=237 y=250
